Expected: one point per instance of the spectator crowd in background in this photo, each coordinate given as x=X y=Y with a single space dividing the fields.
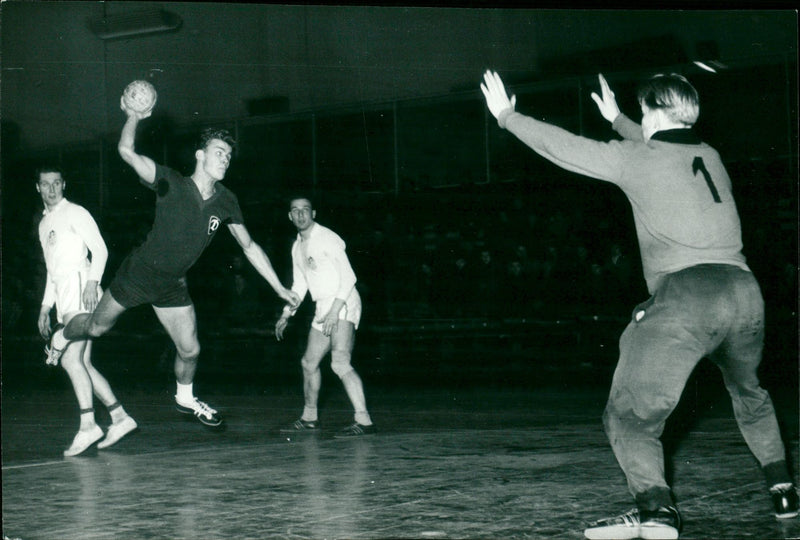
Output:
x=451 y=257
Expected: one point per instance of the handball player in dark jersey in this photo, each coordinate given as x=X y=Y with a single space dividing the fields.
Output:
x=189 y=211
x=704 y=300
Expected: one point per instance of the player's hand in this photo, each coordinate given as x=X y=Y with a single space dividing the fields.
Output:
x=291 y=297
x=280 y=326
x=607 y=103
x=329 y=322
x=132 y=113
x=44 y=324
x=90 y=296
x=495 y=92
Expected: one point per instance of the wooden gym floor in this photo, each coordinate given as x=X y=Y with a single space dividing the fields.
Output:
x=454 y=457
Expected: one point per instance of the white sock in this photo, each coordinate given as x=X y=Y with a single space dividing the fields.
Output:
x=185 y=393
x=309 y=414
x=363 y=418
x=117 y=412
x=59 y=341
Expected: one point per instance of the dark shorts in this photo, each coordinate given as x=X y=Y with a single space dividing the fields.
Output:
x=136 y=283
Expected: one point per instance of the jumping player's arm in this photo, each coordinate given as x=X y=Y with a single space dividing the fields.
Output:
x=143 y=165
x=300 y=287
x=261 y=262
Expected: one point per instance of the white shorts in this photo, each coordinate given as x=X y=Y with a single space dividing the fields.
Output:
x=69 y=294
x=351 y=311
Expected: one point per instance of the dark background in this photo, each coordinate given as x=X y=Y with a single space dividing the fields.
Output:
x=377 y=113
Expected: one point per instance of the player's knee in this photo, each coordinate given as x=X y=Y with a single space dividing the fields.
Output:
x=188 y=351
x=96 y=329
x=309 y=365
x=340 y=364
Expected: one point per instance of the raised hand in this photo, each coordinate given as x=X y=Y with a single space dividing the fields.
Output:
x=495 y=92
x=130 y=112
x=607 y=103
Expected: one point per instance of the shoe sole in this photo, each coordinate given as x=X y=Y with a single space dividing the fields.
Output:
x=105 y=443
x=658 y=533
x=188 y=414
x=356 y=435
x=88 y=446
x=611 y=533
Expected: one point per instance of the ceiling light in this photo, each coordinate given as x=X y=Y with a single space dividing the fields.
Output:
x=136 y=24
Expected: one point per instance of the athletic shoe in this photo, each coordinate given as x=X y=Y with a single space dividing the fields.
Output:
x=83 y=440
x=56 y=347
x=117 y=431
x=661 y=524
x=205 y=414
x=623 y=527
x=356 y=430
x=784 y=497
x=299 y=426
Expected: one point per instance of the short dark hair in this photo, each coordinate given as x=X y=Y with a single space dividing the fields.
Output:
x=297 y=197
x=214 y=133
x=46 y=168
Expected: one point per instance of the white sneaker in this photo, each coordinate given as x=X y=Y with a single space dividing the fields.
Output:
x=623 y=527
x=83 y=440
x=205 y=414
x=56 y=347
x=118 y=430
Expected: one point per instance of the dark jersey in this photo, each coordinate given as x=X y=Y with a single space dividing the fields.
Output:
x=184 y=223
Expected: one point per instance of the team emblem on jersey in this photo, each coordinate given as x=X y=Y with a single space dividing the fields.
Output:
x=311 y=263
x=213 y=224
x=51 y=238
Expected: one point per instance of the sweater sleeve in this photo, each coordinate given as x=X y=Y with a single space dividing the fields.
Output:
x=627 y=128
x=299 y=284
x=85 y=226
x=49 y=298
x=347 y=278
x=600 y=160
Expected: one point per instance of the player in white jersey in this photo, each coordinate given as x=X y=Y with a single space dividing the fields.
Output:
x=321 y=267
x=704 y=300
x=68 y=234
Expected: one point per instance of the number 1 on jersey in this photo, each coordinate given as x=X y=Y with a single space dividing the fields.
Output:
x=699 y=165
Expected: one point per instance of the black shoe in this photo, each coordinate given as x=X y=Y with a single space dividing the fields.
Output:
x=356 y=430
x=784 y=497
x=301 y=426
x=622 y=527
x=205 y=415
x=661 y=524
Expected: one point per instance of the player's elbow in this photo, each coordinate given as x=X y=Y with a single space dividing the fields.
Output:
x=126 y=153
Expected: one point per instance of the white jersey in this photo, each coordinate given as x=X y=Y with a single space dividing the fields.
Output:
x=68 y=233
x=320 y=267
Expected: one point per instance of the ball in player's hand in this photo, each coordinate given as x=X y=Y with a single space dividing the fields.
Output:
x=140 y=96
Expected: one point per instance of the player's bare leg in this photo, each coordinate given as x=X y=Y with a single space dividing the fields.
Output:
x=181 y=325
x=342 y=340
x=85 y=325
x=89 y=432
x=317 y=347
x=121 y=423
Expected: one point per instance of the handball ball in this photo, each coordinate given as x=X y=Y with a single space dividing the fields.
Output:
x=140 y=96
